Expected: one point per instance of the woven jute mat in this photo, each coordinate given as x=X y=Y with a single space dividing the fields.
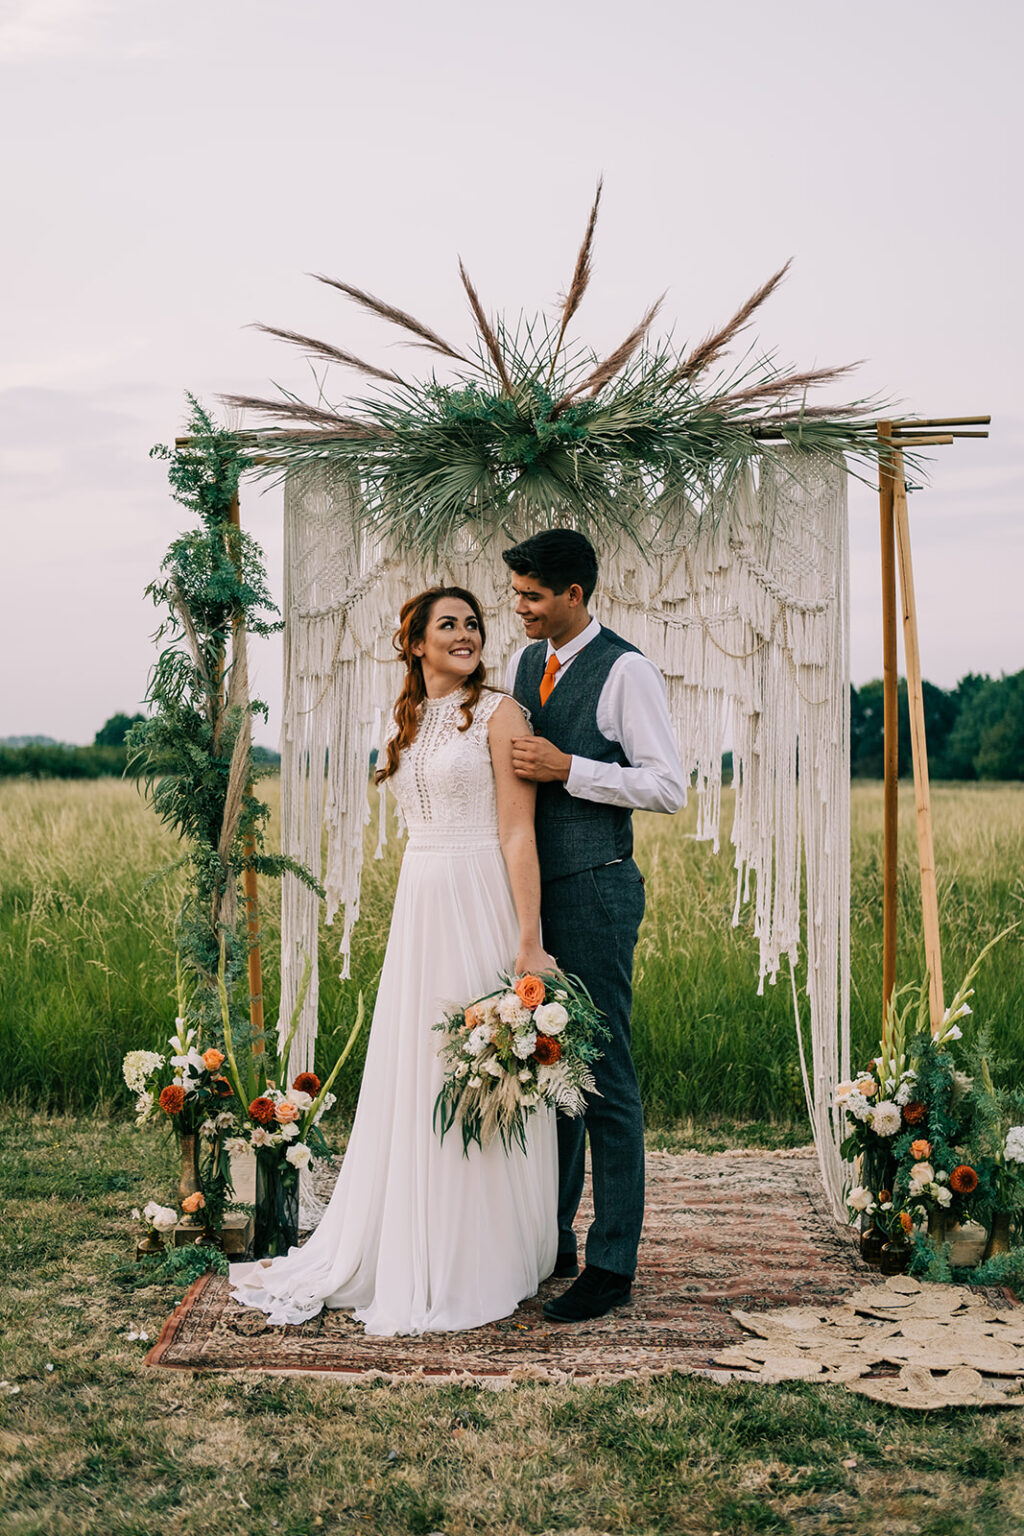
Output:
x=738 y=1230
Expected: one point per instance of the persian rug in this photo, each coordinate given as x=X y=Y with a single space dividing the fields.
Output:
x=747 y=1231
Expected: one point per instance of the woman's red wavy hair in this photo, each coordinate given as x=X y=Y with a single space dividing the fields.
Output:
x=412 y=627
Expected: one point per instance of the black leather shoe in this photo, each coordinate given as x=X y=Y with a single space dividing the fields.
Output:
x=566 y=1267
x=592 y=1295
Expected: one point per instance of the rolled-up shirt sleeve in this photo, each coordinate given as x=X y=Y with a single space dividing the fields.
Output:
x=633 y=710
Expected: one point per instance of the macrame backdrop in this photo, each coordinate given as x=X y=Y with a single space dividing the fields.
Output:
x=747 y=618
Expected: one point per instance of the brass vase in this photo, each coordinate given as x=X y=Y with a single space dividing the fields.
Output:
x=188 y=1182
x=938 y=1225
x=999 y=1236
x=151 y=1243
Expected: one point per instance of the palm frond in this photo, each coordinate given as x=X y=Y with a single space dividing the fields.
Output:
x=615 y=362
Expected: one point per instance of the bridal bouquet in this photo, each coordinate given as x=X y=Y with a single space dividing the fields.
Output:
x=530 y=1042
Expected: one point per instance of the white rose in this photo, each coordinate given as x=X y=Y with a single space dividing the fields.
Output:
x=525 y=1075
x=290 y=1131
x=298 y=1098
x=164 y=1218
x=511 y=1010
x=922 y=1173
x=493 y=1066
x=299 y=1155
x=860 y=1199
x=550 y=1018
x=524 y=1045
x=942 y=1195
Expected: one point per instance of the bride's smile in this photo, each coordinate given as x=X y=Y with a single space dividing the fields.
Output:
x=450 y=649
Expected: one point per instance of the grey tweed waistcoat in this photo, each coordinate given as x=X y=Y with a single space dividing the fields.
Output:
x=575 y=834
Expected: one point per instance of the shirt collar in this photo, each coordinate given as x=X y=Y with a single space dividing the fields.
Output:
x=573 y=647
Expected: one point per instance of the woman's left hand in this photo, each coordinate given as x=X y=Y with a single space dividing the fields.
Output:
x=534 y=960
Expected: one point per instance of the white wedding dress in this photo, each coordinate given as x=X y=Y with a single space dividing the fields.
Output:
x=417 y=1236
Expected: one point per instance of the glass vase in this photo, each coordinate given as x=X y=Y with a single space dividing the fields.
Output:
x=276 y=1207
x=895 y=1257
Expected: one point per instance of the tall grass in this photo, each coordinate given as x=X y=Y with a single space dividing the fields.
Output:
x=87 y=968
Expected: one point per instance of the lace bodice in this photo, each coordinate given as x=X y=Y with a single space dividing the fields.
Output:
x=444 y=782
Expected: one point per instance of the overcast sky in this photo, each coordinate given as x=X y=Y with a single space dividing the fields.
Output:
x=172 y=172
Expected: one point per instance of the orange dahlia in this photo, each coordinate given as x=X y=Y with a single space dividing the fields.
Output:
x=530 y=991
x=262 y=1111
x=172 y=1099
x=307 y=1082
x=547 y=1051
x=915 y=1114
x=963 y=1179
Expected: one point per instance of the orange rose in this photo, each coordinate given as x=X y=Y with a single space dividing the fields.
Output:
x=307 y=1082
x=472 y=1016
x=547 y=1050
x=212 y=1059
x=172 y=1100
x=906 y=1221
x=920 y=1151
x=284 y=1114
x=530 y=991
x=262 y=1110
x=193 y=1203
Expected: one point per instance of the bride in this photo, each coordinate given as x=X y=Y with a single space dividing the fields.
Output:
x=418 y=1236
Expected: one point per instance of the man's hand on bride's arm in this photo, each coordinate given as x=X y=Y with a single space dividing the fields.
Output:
x=538 y=760
x=534 y=960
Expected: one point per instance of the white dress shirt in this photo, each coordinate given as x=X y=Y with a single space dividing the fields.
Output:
x=632 y=709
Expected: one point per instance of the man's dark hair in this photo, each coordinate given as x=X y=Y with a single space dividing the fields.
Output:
x=558 y=557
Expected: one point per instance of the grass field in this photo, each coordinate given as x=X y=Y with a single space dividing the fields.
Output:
x=86 y=960
x=92 y=1444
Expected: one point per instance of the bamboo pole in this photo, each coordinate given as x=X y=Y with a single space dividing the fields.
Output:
x=250 y=888
x=890 y=721
x=919 y=752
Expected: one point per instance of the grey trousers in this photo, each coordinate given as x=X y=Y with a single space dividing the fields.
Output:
x=590 y=923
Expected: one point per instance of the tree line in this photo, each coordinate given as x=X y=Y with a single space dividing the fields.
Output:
x=974 y=731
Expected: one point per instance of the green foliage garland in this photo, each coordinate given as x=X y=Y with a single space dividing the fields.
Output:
x=195 y=749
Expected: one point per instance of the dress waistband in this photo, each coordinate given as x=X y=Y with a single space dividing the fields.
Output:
x=433 y=838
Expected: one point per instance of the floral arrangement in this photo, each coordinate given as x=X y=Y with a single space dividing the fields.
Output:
x=530 y=1042
x=186 y=1085
x=930 y=1137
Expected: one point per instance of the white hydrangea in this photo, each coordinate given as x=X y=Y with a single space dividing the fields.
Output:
x=857 y=1106
x=137 y=1066
x=885 y=1119
x=299 y=1155
x=860 y=1199
x=525 y=1044
x=511 y=1011
x=550 y=1018
x=145 y=1104
x=479 y=1039
x=1013 y=1151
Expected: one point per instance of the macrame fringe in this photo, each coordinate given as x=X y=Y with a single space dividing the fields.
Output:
x=747 y=618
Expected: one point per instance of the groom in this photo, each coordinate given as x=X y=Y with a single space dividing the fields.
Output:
x=603 y=747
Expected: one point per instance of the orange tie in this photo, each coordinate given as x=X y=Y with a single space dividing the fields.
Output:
x=547 y=682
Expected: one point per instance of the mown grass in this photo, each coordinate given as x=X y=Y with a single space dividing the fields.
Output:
x=100 y=1444
x=86 y=957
